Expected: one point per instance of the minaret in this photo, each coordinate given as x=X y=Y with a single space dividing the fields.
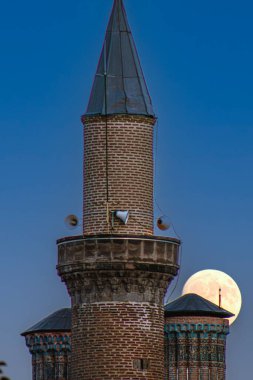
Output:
x=117 y=272
x=195 y=339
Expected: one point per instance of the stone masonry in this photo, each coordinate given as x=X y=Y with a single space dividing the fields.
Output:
x=50 y=354
x=195 y=348
x=117 y=286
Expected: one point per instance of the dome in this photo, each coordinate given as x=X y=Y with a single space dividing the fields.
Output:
x=195 y=305
x=58 y=321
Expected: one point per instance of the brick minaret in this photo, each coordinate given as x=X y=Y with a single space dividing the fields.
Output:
x=49 y=342
x=195 y=339
x=116 y=273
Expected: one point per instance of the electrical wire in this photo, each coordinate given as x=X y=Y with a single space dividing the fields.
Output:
x=179 y=272
x=180 y=259
x=155 y=177
x=155 y=155
x=106 y=126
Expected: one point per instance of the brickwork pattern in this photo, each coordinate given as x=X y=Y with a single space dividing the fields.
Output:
x=130 y=173
x=50 y=355
x=110 y=339
x=195 y=348
x=117 y=286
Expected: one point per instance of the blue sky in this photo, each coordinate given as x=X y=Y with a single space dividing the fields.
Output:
x=197 y=58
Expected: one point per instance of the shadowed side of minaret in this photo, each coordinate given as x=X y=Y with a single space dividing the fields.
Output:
x=117 y=273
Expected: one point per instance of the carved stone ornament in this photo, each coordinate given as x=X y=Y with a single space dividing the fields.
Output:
x=97 y=269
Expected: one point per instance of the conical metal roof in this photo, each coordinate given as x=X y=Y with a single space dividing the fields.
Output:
x=119 y=86
x=58 y=321
x=195 y=305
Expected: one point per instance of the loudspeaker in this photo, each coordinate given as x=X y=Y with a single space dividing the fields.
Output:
x=122 y=215
x=71 y=221
x=163 y=223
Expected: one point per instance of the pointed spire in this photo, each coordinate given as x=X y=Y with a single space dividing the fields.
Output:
x=119 y=86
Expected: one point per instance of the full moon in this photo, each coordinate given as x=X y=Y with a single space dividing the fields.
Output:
x=207 y=283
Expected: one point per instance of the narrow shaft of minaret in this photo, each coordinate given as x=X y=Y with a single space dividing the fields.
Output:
x=127 y=185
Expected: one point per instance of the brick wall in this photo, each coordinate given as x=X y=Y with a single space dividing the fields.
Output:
x=130 y=173
x=195 y=348
x=50 y=355
x=117 y=286
x=117 y=341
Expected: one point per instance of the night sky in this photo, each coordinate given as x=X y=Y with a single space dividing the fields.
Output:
x=197 y=59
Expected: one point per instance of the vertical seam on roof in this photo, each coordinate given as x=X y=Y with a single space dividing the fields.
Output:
x=121 y=55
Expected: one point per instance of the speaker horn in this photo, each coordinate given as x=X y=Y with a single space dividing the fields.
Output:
x=122 y=215
x=163 y=223
x=71 y=221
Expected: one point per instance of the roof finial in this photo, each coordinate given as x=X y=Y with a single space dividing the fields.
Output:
x=220 y=298
x=126 y=91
